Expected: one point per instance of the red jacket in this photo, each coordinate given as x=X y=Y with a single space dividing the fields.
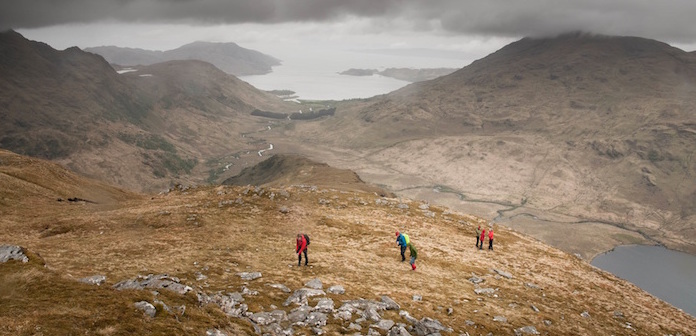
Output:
x=483 y=234
x=490 y=234
x=301 y=244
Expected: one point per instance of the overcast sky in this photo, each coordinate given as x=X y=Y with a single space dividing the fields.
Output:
x=462 y=29
x=671 y=21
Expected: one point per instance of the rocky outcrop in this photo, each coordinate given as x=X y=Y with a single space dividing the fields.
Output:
x=162 y=281
x=12 y=252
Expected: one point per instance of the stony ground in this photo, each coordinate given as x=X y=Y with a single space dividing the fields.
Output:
x=183 y=254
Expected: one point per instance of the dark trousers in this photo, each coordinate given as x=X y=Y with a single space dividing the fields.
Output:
x=477 y=241
x=403 y=250
x=299 y=258
x=490 y=244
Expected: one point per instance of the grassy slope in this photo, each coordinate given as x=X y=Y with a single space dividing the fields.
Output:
x=199 y=230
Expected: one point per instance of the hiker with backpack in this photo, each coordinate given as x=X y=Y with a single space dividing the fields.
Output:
x=402 y=240
x=478 y=235
x=483 y=236
x=414 y=255
x=301 y=246
x=490 y=239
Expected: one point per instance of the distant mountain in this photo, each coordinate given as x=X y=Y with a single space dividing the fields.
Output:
x=143 y=129
x=228 y=57
x=578 y=128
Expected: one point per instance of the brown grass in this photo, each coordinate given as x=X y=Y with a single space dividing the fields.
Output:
x=352 y=244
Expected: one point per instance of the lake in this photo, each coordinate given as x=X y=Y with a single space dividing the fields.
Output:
x=667 y=274
x=315 y=75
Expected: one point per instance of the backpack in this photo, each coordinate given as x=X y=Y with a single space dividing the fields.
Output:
x=306 y=237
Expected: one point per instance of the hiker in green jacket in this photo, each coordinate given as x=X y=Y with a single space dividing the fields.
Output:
x=414 y=255
x=478 y=234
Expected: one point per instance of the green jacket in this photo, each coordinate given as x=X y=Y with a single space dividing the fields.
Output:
x=412 y=249
x=478 y=232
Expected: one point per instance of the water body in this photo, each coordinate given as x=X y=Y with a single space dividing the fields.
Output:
x=315 y=75
x=667 y=274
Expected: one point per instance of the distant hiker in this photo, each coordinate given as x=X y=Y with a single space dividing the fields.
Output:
x=490 y=239
x=414 y=255
x=403 y=241
x=301 y=247
x=482 y=237
x=478 y=235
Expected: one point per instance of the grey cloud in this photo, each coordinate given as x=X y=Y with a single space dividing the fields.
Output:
x=667 y=19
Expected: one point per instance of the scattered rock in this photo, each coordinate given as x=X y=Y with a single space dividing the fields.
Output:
x=417 y=298
x=475 y=279
x=424 y=206
x=336 y=289
x=372 y=332
x=402 y=206
x=230 y=304
x=249 y=292
x=371 y=313
x=450 y=311
x=585 y=314
x=408 y=317
x=531 y=330
x=200 y=276
x=94 y=280
x=316 y=319
x=300 y=296
x=389 y=303
x=284 y=210
x=214 y=332
x=384 y=324
x=531 y=285
x=618 y=314
x=547 y=322
x=398 y=331
x=13 y=252
x=484 y=291
x=162 y=281
x=263 y=318
x=534 y=308
x=299 y=314
x=343 y=315
x=314 y=284
x=354 y=326
x=147 y=308
x=428 y=326
x=503 y=273
x=248 y=276
x=428 y=213
x=325 y=305
x=500 y=319
x=282 y=287
x=279 y=315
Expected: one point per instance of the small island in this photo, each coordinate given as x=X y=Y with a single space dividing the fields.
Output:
x=405 y=74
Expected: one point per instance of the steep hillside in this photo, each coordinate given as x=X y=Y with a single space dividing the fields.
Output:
x=144 y=130
x=184 y=263
x=228 y=57
x=54 y=103
x=282 y=170
x=577 y=129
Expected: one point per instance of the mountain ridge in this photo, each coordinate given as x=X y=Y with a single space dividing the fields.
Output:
x=228 y=57
x=579 y=129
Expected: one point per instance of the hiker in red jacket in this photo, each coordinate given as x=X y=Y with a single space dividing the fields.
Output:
x=301 y=247
x=483 y=235
x=490 y=239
